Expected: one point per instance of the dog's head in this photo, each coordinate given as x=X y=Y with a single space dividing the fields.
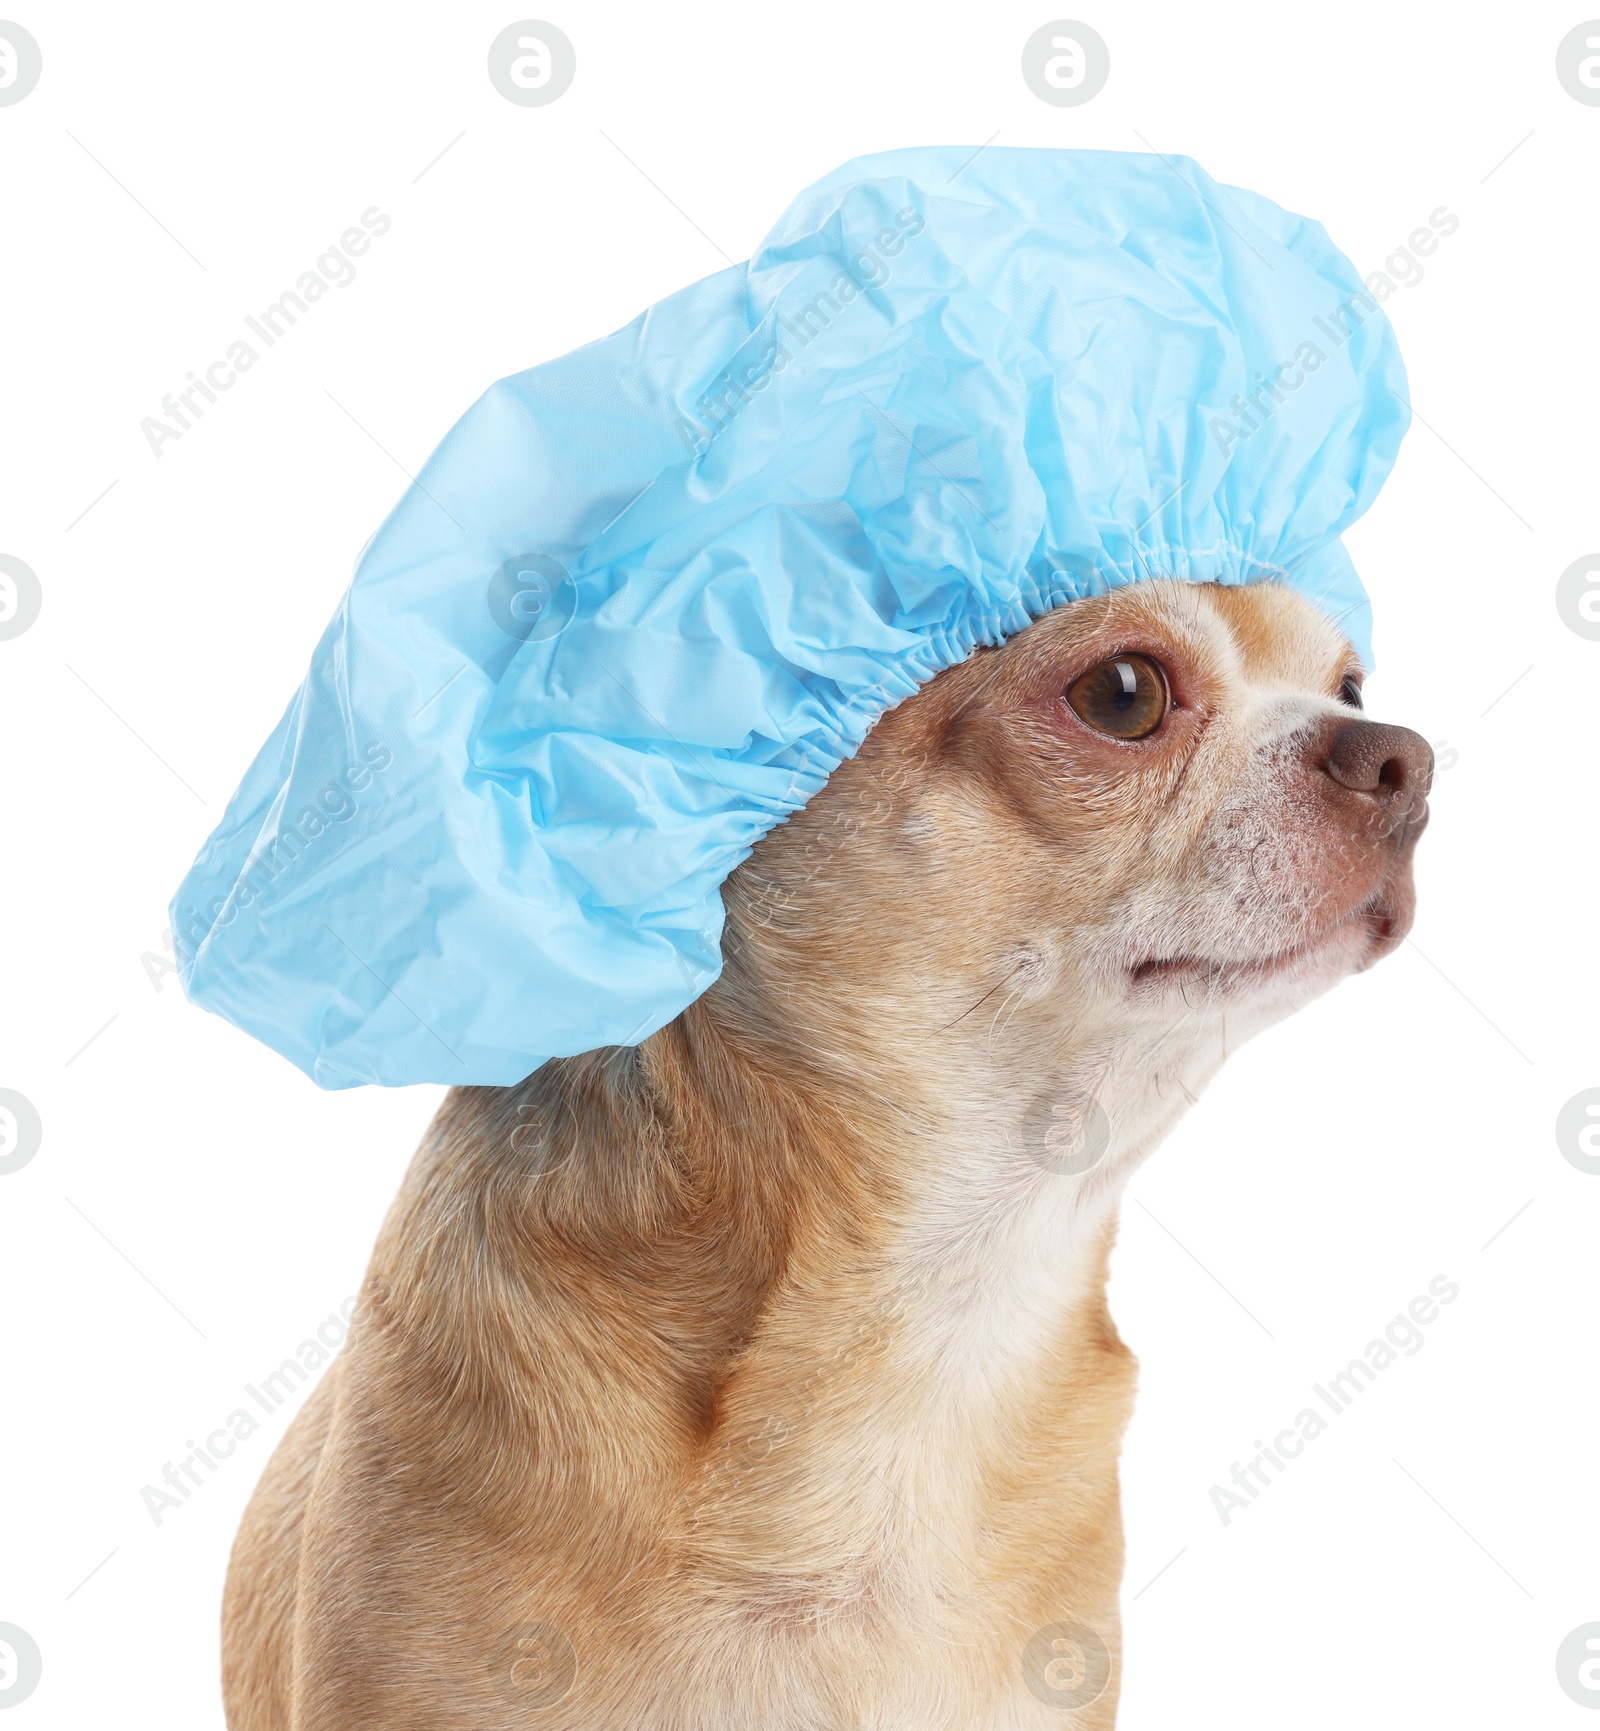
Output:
x=1153 y=821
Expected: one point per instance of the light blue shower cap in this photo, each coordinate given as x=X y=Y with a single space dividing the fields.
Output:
x=643 y=599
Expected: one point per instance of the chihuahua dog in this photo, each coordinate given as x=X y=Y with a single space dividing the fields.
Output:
x=759 y=1377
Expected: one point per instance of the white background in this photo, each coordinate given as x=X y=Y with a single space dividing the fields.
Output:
x=197 y=1206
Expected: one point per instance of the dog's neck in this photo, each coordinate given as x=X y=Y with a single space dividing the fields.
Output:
x=800 y=1252
x=973 y=1164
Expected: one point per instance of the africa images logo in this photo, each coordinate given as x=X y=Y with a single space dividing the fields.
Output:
x=282 y=849
x=1254 y=409
x=1403 y=1336
x=180 y=1480
x=335 y=268
x=789 y=333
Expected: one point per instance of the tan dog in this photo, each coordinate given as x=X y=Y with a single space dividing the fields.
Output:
x=760 y=1378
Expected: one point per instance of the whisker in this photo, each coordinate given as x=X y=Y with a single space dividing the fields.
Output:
x=981 y=1001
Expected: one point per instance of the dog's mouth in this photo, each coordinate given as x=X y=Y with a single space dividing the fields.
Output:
x=1349 y=945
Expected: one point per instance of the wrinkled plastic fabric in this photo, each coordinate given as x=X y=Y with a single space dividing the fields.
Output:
x=643 y=599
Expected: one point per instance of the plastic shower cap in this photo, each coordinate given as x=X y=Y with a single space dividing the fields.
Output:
x=645 y=598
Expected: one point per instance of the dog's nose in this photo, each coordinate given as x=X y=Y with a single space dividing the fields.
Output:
x=1392 y=763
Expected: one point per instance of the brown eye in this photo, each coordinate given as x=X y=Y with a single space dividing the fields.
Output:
x=1350 y=693
x=1125 y=697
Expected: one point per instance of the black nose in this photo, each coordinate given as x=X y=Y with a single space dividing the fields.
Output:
x=1392 y=763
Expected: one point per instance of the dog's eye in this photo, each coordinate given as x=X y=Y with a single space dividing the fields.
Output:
x=1350 y=692
x=1125 y=697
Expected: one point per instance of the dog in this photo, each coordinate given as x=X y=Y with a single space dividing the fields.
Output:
x=760 y=1377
